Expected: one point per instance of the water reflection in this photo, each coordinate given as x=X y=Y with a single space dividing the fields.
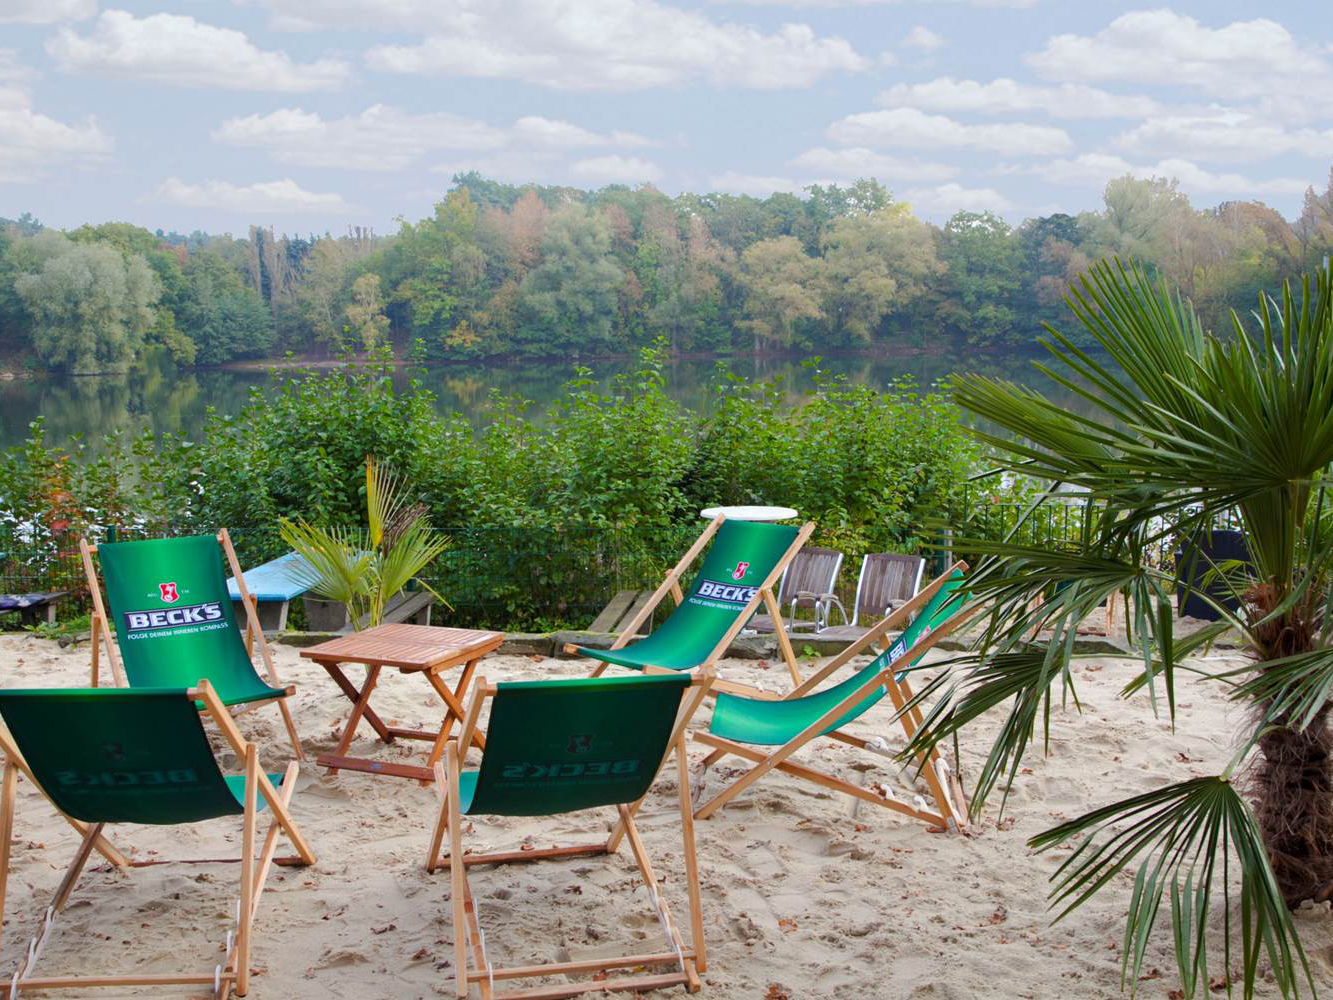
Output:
x=163 y=398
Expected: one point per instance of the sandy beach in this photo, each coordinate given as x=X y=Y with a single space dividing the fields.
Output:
x=803 y=896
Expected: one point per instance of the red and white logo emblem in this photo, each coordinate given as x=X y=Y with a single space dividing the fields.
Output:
x=168 y=592
x=739 y=572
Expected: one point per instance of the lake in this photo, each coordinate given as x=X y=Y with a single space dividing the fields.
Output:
x=163 y=398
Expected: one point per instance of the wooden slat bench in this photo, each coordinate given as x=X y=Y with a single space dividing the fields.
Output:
x=620 y=611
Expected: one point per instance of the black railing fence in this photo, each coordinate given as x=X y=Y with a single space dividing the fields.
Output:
x=544 y=577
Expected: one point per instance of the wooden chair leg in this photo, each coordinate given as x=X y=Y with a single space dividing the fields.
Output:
x=457 y=872
x=291 y=728
x=96 y=643
x=691 y=859
x=6 y=828
x=247 y=873
x=441 y=821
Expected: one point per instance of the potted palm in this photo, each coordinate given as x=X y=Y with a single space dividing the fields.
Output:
x=361 y=570
x=1179 y=431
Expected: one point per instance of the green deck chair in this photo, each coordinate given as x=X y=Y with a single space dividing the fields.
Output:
x=561 y=746
x=745 y=561
x=174 y=621
x=739 y=723
x=108 y=755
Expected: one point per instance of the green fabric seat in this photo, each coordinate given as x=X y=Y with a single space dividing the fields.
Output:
x=122 y=755
x=742 y=555
x=558 y=746
x=775 y=723
x=168 y=602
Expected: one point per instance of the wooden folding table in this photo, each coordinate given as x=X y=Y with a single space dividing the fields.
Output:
x=422 y=649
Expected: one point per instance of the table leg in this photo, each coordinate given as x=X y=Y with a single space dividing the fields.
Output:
x=453 y=699
x=359 y=709
x=353 y=695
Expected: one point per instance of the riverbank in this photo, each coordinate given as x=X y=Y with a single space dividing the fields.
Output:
x=803 y=896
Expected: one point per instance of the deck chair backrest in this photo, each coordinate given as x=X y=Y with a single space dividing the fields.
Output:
x=886 y=578
x=562 y=745
x=742 y=556
x=814 y=570
x=168 y=602
x=119 y=755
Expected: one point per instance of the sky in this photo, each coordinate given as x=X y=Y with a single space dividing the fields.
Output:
x=313 y=115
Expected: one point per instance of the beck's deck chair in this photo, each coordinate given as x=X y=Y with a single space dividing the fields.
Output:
x=741 y=724
x=745 y=560
x=175 y=624
x=560 y=746
x=808 y=581
x=141 y=756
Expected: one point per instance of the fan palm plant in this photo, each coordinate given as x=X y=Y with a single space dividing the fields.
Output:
x=1178 y=428
x=366 y=568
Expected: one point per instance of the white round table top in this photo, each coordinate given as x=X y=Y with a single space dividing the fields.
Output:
x=749 y=513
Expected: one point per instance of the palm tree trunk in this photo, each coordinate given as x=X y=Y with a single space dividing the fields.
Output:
x=1293 y=787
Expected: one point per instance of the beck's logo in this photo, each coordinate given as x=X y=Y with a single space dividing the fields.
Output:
x=168 y=592
x=580 y=743
x=169 y=618
x=739 y=572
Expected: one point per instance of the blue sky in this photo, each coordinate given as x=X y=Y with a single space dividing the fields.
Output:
x=309 y=115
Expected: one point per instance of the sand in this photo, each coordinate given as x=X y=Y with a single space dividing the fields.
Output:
x=802 y=896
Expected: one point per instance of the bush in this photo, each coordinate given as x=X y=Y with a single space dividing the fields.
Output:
x=548 y=517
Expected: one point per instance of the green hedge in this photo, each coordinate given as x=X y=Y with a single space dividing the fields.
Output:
x=549 y=516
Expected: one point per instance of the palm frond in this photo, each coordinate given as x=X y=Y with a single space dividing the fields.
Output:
x=1183 y=839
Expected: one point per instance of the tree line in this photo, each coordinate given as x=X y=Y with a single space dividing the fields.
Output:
x=500 y=269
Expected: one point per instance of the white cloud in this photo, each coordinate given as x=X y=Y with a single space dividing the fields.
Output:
x=1258 y=59
x=910 y=128
x=1093 y=170
x=946 y=199
x=608 y=44
x=283 y=197
x=557 y=134
x=1013 y=4
x=34 y=144
x=1229 y=136
x=923 y=38
x=45 y=11
x=857 y=161
x=1006 y=96
x=734 y=182
x=176 y=49
x=386 y=138
x=615 y=169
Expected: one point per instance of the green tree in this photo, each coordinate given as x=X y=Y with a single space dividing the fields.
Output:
x=569 y=300
x=434 y=270
x=167 y=262
x=1177 y=428
x=226 y=318
x=874 y=263
x=365 y=313
x=982 y=258
x=781 y=289
x=92 y=307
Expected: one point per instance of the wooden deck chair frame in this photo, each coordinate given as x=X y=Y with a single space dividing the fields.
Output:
x=945 y=789
x=233 y=973
x=691 y=958
x=764 y=594
x=254 y=634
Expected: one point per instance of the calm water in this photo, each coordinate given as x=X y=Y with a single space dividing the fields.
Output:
x=164 y=398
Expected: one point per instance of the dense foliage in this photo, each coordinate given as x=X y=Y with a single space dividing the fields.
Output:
x=547 y=517
x=500 y=269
